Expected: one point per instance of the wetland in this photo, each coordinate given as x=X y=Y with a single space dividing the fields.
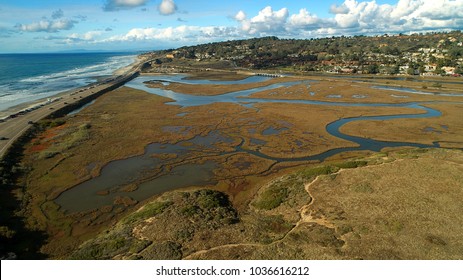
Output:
x=163 y=135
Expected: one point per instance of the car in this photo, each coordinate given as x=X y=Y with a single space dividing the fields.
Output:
x=30 y=122
x=3 y=138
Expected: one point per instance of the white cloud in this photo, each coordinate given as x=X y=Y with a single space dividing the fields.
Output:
x=167 y=7
x=267 y=15
x=416 y=15
x=439 y=9
x=304 y=18
x=116 y=5
x=240 y=16
x=74 y=38
x=267 y=20
x=349 y=20
x=56 y=24
x=342 y=9
x=88 y=36
x=47 y=25
x=183 y=33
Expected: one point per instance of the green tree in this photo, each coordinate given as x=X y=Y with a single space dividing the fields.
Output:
x=459 y=70
x=373 y=69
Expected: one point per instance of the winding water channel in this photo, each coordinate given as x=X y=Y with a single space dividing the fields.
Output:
x=117 y=174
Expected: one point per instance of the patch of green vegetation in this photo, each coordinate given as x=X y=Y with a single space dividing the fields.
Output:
x=101 y=250
x=69 y=139
x=211 y=207
x=190 y=210
x=209 y=199
x=271 y=198
x=50 y=123
x=149 y=210
x=351 y=164
x=180 y=217
x=184 y=234
x=109 y=245
x=410 y=153
x=168 y=250
x=319 y=170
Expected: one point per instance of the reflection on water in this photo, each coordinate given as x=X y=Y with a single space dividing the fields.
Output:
x=111 y=184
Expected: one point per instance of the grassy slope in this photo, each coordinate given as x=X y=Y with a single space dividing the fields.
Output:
x=401 y=205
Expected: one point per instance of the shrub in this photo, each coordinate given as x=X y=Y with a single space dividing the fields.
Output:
x=149 y=210
x=209 y=199
x=351 y=164
x=271 y=198
x=320 y=170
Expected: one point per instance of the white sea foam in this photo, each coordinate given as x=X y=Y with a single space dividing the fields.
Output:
x=42 y=86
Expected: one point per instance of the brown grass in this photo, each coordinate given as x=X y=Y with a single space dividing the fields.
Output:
x=325 y=88
x=214 y=89
x=447 y=129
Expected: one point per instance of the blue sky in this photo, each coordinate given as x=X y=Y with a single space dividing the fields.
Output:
x=119 y=25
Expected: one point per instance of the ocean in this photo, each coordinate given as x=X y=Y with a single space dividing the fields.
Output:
x=29 y=77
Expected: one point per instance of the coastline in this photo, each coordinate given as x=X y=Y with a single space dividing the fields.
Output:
x=15 y=109
x=14 y=125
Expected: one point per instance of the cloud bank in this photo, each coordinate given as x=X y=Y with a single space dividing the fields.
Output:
x=56 y=24
x=357 y=17
x=47 y=26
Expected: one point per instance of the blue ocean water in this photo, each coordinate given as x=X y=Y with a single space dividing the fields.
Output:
x=28 y=77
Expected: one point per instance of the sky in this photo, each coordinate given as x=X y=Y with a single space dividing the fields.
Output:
x=140 y=25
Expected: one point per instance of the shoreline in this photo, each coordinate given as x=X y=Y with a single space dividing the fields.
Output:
x=13 y=126
x=98 y=80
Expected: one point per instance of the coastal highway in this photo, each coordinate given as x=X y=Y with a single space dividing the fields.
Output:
x=12 y=128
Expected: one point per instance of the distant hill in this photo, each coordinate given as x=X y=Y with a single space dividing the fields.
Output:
x=388 y=54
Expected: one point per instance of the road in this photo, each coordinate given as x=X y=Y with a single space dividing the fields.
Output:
x=13 y=128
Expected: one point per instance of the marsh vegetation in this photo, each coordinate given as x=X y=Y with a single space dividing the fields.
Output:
x=260 y=197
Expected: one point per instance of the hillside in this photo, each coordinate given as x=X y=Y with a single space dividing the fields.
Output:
x=372 y=208
x=430 y=53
